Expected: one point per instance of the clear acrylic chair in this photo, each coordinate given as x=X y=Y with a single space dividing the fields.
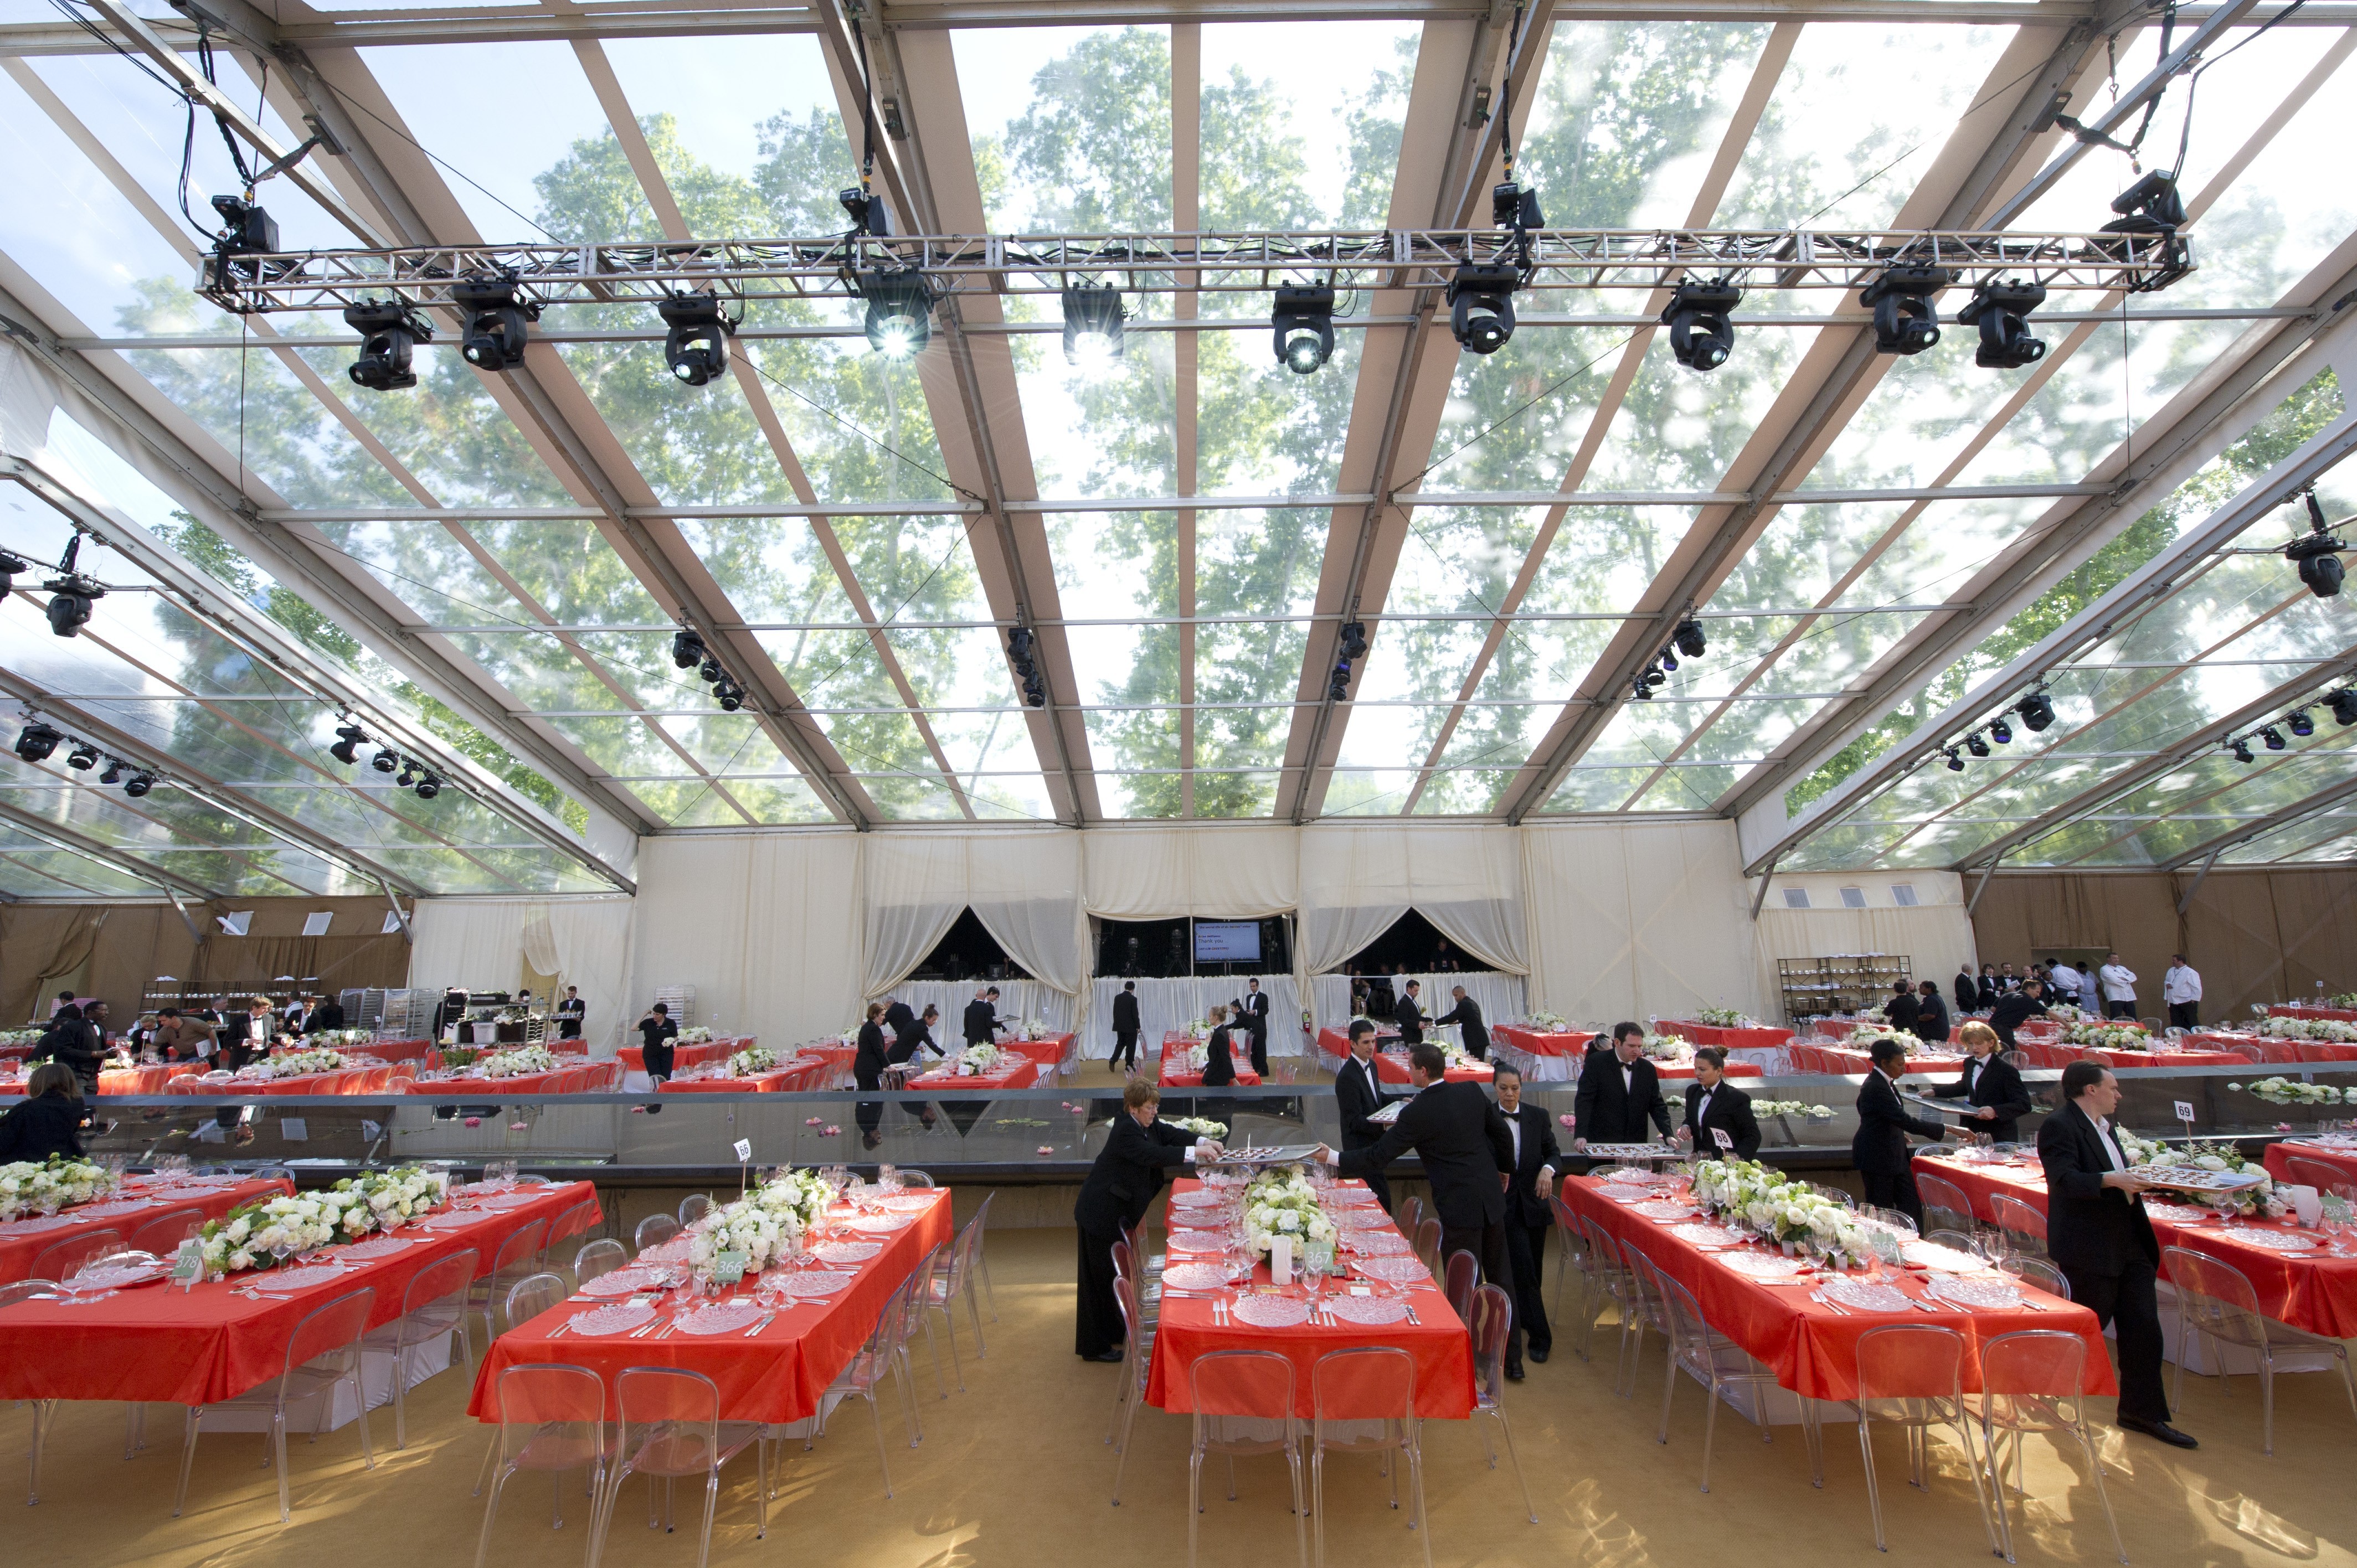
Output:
x=2215 y=1300
x=596 y=1257
x=1644 y=1309
x=917 y=1179
x=1243 y=1405
x=653 y=1231
x=1491 y=1323
x=433 y=1307
x=569 y=1223
x=2023 y=1226
x=866 y=1371
x=1149 y=1290
x=1461 y=1277
x=552 y=1420
x=1912 y=1375
x=2033 y=1382
x=1607 y=1281
x=982 y=1252
x=164 y=1234
x=44 y=1410
x=671 y=1431
x=510 y=1263
x=1712 y=1359
x=1945 y=1203
x=62 y=1259
x=1137 y=1362
x=1427 y=1247
x=2039 y=1272
x=1961 y=1240
x=1571 y=1249
x=693 y=1207
x=2301 y=1171
x=530 y=1296
x=322 y=1353
x=951 y=1276
x=1363 y=1400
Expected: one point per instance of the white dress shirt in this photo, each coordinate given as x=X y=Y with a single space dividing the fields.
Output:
x=2181 y=984
x=2103 y=1136
x=2119 y=982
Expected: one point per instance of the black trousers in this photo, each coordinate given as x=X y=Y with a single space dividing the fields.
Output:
x=870 y=1112
x=1895 y=1191
x=1526 y=1254
x=1378 y=1183
x=2185 y=1015
x=1260 y=1051
x=1096 y=1316
x=1488 y=1245
x=1124 y=1044
x=2119 y=1009
x=2127 y=1301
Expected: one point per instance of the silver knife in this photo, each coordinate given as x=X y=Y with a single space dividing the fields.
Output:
x=766 y=1319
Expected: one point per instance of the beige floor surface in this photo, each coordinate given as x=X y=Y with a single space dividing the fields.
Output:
x=1014 y=1471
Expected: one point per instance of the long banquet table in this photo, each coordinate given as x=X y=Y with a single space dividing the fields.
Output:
x=2278 y=1160
x=1176 y=1045
x=21 y=1241
x=197 y=1346
x=1437 y=1339
x=1020 y=1072
x=2310 y=1289
x=794 y=1077
x=1733 y=1037
x=780 y=1374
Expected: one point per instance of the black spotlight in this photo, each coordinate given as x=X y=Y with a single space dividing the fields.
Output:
x=899 y=311
x=113 y=774
x=686 y=648
x=1481 y=305
x=2242 y=749
x=408 y=773
x=389 y=331
x=12 y=565
x=1955 y=763
x=1668 y=658
x=2274 y=738
x=1354 y=640
x=1020 y=646
x=385 y=760
x=1998 y=310
x=139 y=784
x=2318 y=553
x=1975 y=745
x=347 y=744
x=696 y=347
x=1654 y=677
x=72 y=592
x=1689 y=639
x=428 y=786
x=36 y=740
x=1700 y=335
x=867 y=209
x=82 y=757
x=1035 y=689
x=492 y=337
x=1304 y=327
x=1093 y=318
x=2152 y=206
x=1338 y=684
x=1904 y=321
x=1641 y=691
x=2036 y=711
x=728 y=695
x=2343 y=702
x=1513 y=206
x=247 y=231
x=2301 y=725
x=2000 y=731
x=710 y=670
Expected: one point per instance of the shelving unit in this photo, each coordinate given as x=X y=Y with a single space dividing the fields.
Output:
x=1842 y=982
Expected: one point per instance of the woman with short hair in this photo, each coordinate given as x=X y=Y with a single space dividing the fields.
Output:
x=46 y=1121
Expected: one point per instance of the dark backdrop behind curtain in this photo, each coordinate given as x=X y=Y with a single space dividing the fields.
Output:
x=2254 y=935
x=120 y=949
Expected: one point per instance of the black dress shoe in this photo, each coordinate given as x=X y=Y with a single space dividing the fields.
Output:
x=1540 y=1356
x=2160 y=1431
x=1112 y=1354
x=1513 y=1374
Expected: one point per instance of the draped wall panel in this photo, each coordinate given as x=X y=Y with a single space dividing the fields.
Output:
x=1633 y=918
x=484 y=943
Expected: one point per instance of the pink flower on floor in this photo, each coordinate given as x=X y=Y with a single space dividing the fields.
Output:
x=815 y=1121
x=2283 y=1126
x=515 y=1126
x=1046 y=1148
x=474 y=1121
x=1567 y=1120
x=833 y=1131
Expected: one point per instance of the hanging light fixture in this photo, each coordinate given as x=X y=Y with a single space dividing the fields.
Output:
x=696 y=346
x=2001 y=312
x=493 y=334
x=899 y=311
x=82 y=757
x=389 y=331
x=139 y=784
x=1093 y=318
x=2036 y=711
x=1904 y=321
x=1481 y=305
x=1955 y=763
x=1975 y=745
x=348 y=739
x=686 y=648
x=385 y=760
x=1303 y=326
x=2301 y=725
x=1701 y=338
x=113 y=774
x=2000 y=731
x=36 y=740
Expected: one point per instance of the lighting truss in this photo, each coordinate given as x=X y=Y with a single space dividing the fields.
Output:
x=1233 y=262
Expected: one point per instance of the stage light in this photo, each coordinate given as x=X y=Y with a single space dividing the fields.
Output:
x=36 y=740
x=2343 y=702
x=1975 y=745
x=2318 y=553
x=2301 y=725
x=728 y=695
x=696 y=347
x=899 y=311
x=1035 y=689
x=1654 y=677
x=139 y=784
x=1513 y=206
x=2036 y=711
x=2000 y=311
x=493 y=334
x=867 y=210
x=1668 y=658
x=1354 y=640
x=2152 y=206
x=385 y=760
x=1701 y=338
x=2242 y=749
x=687 y=649
x=82 y=757
x=710 y=671
x=428 y=786
x=12 y=565
x=1338 y=684
x=1093 y=318
x=1020 y=646
x=2274 y=738
x=1955 y=763
x=389 y=331
x=2000 y=731
x=408 y=773
x=113 y=774
x=1643 y=693
x=1303 y=326
x=347 y=744
x=1690 y=640
x=247 y=231
x=1481 y=306
x=72 y=592
x=1904 y=321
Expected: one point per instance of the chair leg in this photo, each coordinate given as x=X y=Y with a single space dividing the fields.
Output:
x=1300 y=1527
x=711 y=1503
x=982 y=1262
x=279 y=1443
x=973 y=1312
x=44 y=1414
x=1317 y=1503
x=188 y=1458
x=1506 y=1429
x=1669 y=1388
x=483 y=1471
x=2266 y=1404
x=135 y=1429
x=949 y=1329
x=1964 y=1430
x=1422 y=1522
x=359 y=1403
x=2096 y=1470
x=1194 y=1499
x=1129 y=1419
x=1872 y=1491
x=934 y=1349
x=490 y=1513
x=1709 y=1431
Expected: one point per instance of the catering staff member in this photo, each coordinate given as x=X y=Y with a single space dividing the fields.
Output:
x=2015 y=1008
x=1468 y=1154
x=1120 y=1188
x=2117 y=982
x=1990 y=1085
x=867 y=1065
x=1467 y=1016
x=1219 y=1057
x=1931 y=1014
x=570 y=1014
x=1255 y=1019
x=1125 y=1028
x=657 y=1030
x=1715 y=1105
x=2181 y=988
x=2098 y=1234
x=326 y=1013
x=1880 y=1149
x=1900 y=1010
x=1409 y=1016
x=1968 y=995
x=982 y=1016
x=1529 y=1216
x=1620 y=1093
x=1359 y=1094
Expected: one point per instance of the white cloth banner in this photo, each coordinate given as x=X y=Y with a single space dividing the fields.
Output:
x=767 y=927
x=1632 y=919
x=1502 y=998
x=484 y=943
x=1161 y=873
x=1467 y=881
x=1165 y=1005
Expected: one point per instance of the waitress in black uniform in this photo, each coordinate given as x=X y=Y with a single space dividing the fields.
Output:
x=656 y=1032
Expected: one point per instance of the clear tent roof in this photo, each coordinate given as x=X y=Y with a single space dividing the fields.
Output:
x=1519 y=531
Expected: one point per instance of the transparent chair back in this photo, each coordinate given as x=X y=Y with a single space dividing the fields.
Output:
x=1492 y=1324
x=653 y=1231
x=531 y=1296
x=1363 y=1400
x=597 y=1258
x=2031 y=1384
x=1244 y=1403
x=1911 y=1375
x=2023 y=1225
x=693 y=1207
x=552 y=1419
x=671 y=1431
x=1461 y=1277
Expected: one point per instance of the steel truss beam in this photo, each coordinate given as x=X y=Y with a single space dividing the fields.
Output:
x=2316 y=804
x=59 y=836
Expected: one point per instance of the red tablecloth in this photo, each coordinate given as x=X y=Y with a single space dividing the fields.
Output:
x=1178 y=1046
x=20 y=1245
x=409 y=1050
x=1391 y=1067
x=150 y=1079
x=1022 y=1073
x=202 y=1346
x=1678 y=1071
x=1541 y=1042
x=563 y=1080
x=2304 y=1010
x=1811 y=1347
x=2278 y=1163
x=780 y=1374
x=2160 y=1059
x=634 y=1058
x=794 y=1077
x=1763 y=1038
x=2319 y=1296
x=1437 y=1340
x=1048 y=1052
x=1841 y=1060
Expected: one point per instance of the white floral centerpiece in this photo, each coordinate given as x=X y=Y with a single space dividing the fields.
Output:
x=977 y=1059
x=1793 y=1108
x=44 y=1187
x=2334 y=1031
x=2069 y=1012
x=517 y=1063
x=1201 y=1126
x=1791 y=1213
x=1725 y=1018
x=699 y=1036
x=2116 y=1035
x=2346 y=999
x=20 y=1036
x=1280 y=1201
x=341 y=1038
x=763 y=1225
x=1673 y=1048
x=1553 y=1023
x=294 y=1064
x=1866 y=1036
x=2281 y=1090
x=751 y=1060
x=265 y=1234
x=2255 y=1199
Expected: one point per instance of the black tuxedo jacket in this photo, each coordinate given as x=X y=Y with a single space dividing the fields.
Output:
x=1879 y=1147
x=872 y=1055
x=1731 y=1111
x=1608 y=1111
x=1125 y=1014
x=1523 y=1204
x=327 y=1015
x=1995 y=1084
x=981 y=1021
x=1901 y=1012
x=901 y=1019
x=1466 y=1015
x=1410 y=1019
x=2090 y=1228
x=1219 y=1059
x=1256 y=1012
x=1462 y=1139
x=1358 y=1094
x=1968 y=994
x=1128 y=1172
x=2011 y=1010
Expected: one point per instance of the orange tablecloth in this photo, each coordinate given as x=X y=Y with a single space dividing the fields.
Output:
x=19 y=1244
x=149 y=1079
x=1812 y=1348
x=1021 y=1074
x=634 y=1058
x=1048 y=1052
x=794 y=1077
x=2277 y=1162
x=2304 y=1010
x=496 y=1088
x=780 y=1374
x=1541 y=1042
x=1391 y=1067
x=2319 y=1296
x=1764 y=1038
x=1444 y=1355
x=1841 y=1060
x=197 y=1346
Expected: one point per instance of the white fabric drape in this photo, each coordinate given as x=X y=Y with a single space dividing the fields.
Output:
x=1631 y=919
x=766 y=927
x=1466 y=880
x=591 y=939
x=1161 y=873
x=1172 y=1003
x=914 y=888
x=1502 y=998
x=1025 y=888
x=484 y=943
x=1935 y=935
x=473 y=942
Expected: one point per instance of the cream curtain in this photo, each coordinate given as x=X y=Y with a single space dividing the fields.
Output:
x=1160 y=873
x=1502 y=998
x=767 y=928
x=1025 y=888
x=473 y=942
x=1467 y=881
x=1018 y=999
x=483 y=944
x=914 y=887
x=1934 y=934
x=1631 y=919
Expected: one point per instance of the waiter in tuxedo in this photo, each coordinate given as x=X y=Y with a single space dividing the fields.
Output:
x=1409 y=1016
x=1467 y=1016
x=1537 y=1162
x=1120 y=1188
x=570 y=1013
x=1618 y=1094
x=1879 y=1148
x=1714 y=1106
x=1219 y=1057
x=867 y=1068
x=981 y=1018
x=900 y=1018
x=1125 y=1026
x=1901 y=1008
x=325 y=1013
x=1990 y=1085
x=2098 y=1234
x=1255 y=1019
x=1468 y=1154
x=1359 y=1094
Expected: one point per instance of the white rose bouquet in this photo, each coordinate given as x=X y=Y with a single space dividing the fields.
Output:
x=977 y=1059
x=294 y=1064
x=1281 y=1202
x=345 y=1037
x=1201 y=1126
x=1675 y=1048
x=1553 y=1023
x=699 y=1036
x=1865 y=1037
x=2334 y=1031
x=2068 y=1013
x=2280 y=1090
x=20 y=1036
x=763 y=1225
x=265 y=1234
x=1725 y=1018
x=751 y=1060
x=517 y=1063
x=2113 y=1037
x=44 y=1187
x=1793 y=1108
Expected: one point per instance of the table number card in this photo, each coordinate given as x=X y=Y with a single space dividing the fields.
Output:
x=189 y=1263
x=728 y=1268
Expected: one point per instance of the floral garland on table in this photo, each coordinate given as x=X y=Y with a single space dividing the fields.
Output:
x=699 y=1036
x=976 y=1060
x=1792 y=1108
x=1673 y=1048
x=1201 y=1126
x=20 y=1036
x=2346 y=999
x=45 y=1186
x=517 y=1063
x=2219 y=1157
x=2113 y=1037
x=1725 y=1018
x=781 y=1210
x=1866 y=1036
x=342 y=1037
x=2280 y=1090
x=264 y=1234
x=1552 y=1023
x=2335 y=1030
x=294 y=1064
x=1280 y=1201
x=1793 y=1214
x=2069 y=1012
x=751 y=1061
